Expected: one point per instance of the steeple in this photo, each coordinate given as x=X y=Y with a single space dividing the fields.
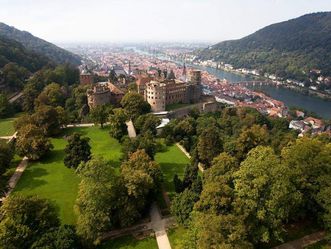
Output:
x=171 y=75
x=184 y=74
x=129 y=68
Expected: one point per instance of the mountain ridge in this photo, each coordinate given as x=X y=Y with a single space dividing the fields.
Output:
x=289 y=49
x=38 y=45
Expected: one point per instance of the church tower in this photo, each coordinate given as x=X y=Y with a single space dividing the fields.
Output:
x=184 y=73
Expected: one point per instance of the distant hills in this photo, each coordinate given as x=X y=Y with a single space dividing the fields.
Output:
x=288 y=49
x=39 y=46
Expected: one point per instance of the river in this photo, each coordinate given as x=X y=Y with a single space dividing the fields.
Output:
x=290 y=97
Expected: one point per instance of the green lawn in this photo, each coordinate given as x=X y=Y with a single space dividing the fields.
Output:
x=176 y=236
x=7 y=126
x=172 y=161
x=129 y=242
x=50 y=179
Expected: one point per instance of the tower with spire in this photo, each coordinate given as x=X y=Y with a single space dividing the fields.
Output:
x=184 y=74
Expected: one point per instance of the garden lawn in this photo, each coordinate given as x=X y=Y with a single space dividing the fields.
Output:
x=172 y=161
x=50 y=179
x=7 y=126
x=129 y=242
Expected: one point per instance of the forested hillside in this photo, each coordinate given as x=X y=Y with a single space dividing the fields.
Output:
x=39 y=46
x=289 y=49
x=12 y=51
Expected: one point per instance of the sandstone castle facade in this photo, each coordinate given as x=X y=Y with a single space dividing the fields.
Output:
x=164 y=89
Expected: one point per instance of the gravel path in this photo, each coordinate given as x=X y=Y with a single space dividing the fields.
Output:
x=158 y=225
x=303 y=242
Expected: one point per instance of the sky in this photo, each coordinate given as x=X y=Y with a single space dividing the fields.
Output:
x=150 y=20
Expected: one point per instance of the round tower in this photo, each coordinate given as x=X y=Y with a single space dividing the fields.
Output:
x=155 y=93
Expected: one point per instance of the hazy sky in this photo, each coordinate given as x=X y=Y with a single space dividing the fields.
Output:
x=150 y=20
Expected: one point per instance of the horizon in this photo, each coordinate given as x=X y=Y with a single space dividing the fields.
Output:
x=187 y=21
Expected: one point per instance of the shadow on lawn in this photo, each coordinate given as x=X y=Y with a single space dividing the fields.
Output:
x=34 y=182
x=55 y=155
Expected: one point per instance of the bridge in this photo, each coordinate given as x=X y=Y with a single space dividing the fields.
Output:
x=254 y=83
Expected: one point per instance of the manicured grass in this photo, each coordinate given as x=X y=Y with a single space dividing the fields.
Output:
x=320 y=245
x=129 y=242
x=176 y=236
x=172 y=161
x=49 y=178
x=7 y=126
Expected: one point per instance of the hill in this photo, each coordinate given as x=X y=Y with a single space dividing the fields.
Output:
x=39 y=46
x=15 y=52
x=289 y=49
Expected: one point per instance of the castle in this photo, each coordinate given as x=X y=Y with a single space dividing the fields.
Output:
x=164 y=89
x=104 y=93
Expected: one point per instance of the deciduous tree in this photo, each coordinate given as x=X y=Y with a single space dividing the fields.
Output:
x=24 y=220
x=135 y=105
x=77 y=150
x=31 y=142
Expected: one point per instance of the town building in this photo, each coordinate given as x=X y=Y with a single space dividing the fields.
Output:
x=103 y=93
x=165 y=89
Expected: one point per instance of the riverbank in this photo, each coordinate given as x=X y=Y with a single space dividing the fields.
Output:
x=290 y=96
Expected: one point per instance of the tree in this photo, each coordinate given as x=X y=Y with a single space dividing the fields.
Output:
x=182 y=205
x=31 y=142
x=52 y=95
x=265 y=194
x=309 y=160
x=58 y=238
x=147 y=123
x=140 y=180
x=77 y=150
x=6 y=156
x=5 y=106
x=15 y=75
x=117 y=125
x=220 y=231
x=32 y=89
x=209 y=145
x=100 y=114
x=144 y=142
x=178 y=184
x=97 y=199
x=223 y=165
x=24 y=219
x=23 y=120
x=185 y=128
x=190 y=175
x=48 y=118
x=140 y=163
x=135 y=105
x=250 y=138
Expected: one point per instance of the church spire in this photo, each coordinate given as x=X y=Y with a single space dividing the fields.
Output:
x=184 y=74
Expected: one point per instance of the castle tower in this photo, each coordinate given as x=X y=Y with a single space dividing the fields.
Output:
x=184 y=74
x=86 y=78
x=155 y=95
x=196 y=77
